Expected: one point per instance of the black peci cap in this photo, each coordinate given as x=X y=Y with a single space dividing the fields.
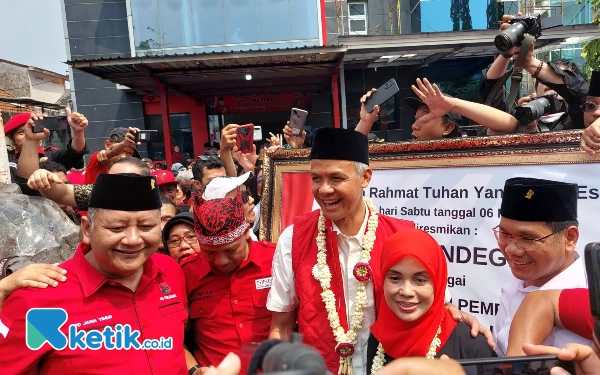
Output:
x=595 y=84
x=125 y=192
x=340 y=144
x=532 y=199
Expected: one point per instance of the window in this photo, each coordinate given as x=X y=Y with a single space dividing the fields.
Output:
x=357 y=18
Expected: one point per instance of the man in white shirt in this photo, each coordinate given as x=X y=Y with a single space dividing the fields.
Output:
x=326 y=265
x=537 y=235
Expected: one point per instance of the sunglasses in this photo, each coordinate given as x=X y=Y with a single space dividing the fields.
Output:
x=589 y=107
x=245 y=196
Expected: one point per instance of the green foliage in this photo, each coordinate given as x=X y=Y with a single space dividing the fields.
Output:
x=492 y=14
x=463 y=89
x=591 y=49
x=460 y=13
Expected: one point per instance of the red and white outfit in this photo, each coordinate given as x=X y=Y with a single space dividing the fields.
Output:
x=295 y=287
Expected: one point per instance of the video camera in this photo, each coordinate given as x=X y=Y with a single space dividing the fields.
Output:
x=278 y=357
x=537 y=108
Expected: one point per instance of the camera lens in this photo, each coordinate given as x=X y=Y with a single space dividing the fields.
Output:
x=533 y=110
x=511 y=37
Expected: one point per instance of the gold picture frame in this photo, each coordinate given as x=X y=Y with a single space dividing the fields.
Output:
x=514 y=149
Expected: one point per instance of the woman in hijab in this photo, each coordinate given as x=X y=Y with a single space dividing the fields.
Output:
x=414 y=322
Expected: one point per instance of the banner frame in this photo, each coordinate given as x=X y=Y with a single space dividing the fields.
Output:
x=514 y=149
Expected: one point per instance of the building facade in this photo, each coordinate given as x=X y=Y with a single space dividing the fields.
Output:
x=186 y=67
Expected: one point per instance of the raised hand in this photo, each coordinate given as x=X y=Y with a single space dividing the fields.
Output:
x=432 y=96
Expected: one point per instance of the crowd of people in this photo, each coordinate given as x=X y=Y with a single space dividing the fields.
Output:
x=175 y=254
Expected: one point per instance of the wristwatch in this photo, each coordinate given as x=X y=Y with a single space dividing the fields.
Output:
x=194 y=368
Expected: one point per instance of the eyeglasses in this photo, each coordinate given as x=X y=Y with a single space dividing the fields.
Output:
x=589 y=107
x=245 y=196
x=190 y=239
x=523 y=243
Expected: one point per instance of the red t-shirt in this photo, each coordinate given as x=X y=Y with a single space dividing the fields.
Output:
x=76 y=177
x=228 y=311
x=93 y=169
x=574 y=311
x=156 y=309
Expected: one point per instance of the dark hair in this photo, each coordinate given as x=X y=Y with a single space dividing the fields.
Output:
x=54 y=167
x=557 y=226
x=144 y=170
x=456 y=132
x=168 y=201
x=564 y=64
x=211 y=163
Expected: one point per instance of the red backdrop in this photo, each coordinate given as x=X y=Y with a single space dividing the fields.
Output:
x=296 y=197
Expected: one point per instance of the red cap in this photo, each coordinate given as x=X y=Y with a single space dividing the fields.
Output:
x=41 y=151
x=17 y=120
x=164 y=177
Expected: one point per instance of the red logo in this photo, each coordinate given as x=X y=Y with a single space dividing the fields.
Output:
x=165 y=288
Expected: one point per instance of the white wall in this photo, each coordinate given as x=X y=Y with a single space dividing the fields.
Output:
x=46 y=88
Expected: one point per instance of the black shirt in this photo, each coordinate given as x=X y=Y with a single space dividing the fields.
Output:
x=460 y=345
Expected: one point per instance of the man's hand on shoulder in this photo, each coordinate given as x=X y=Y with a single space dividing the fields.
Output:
x=33 y=275
x=472 y=322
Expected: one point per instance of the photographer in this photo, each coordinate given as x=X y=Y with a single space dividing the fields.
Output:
x=560 y=77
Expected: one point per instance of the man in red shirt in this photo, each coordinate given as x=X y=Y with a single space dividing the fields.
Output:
x=166 y=183
x=228 y=282
x=120 y=143
x=115 y=281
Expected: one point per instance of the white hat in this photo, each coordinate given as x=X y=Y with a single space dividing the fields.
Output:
x=221 y=186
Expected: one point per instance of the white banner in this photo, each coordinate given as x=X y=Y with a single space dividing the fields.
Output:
x=460 y=206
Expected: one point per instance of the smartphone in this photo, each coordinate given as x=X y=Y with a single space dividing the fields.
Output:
x=257 y=134
x=245 y=138
x=541 y=364
x=146 y=136
x=51 y=123
x=297 y=121
x=592 y=265
x=389 y=89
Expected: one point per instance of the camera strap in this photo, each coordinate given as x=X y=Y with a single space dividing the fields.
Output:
x=516 y=75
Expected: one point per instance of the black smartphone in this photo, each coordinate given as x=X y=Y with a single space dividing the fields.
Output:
x=51 y=123
x=592 y=266
x=541 y=364
x=389 y=89
x=146 y=136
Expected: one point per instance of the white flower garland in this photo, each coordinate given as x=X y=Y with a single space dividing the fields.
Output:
x=379 y=360
x=322 y=274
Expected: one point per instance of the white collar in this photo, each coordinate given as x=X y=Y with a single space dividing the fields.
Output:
x=361 y=231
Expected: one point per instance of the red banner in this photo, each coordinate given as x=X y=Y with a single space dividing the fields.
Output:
x=259 y=102
x=296 y=197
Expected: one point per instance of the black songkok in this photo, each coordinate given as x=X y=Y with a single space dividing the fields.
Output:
x=340 y=144
x=595 y=84
x=532 y=199
x=125 y=192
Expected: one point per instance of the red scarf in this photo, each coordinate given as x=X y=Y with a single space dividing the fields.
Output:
x=412 y=339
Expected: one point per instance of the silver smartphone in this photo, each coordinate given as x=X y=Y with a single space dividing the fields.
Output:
x=258 y=134
x=297 y=121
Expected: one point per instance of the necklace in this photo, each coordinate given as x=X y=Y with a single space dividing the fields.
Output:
x=379 y=360
x=362 y=272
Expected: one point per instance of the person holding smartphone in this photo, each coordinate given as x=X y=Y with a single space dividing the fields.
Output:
x=413 y=321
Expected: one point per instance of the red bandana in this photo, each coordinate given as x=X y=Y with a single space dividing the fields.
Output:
x=218 y=221
x=412 y=339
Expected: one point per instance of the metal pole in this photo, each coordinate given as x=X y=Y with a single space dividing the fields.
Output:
x=343 y=93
